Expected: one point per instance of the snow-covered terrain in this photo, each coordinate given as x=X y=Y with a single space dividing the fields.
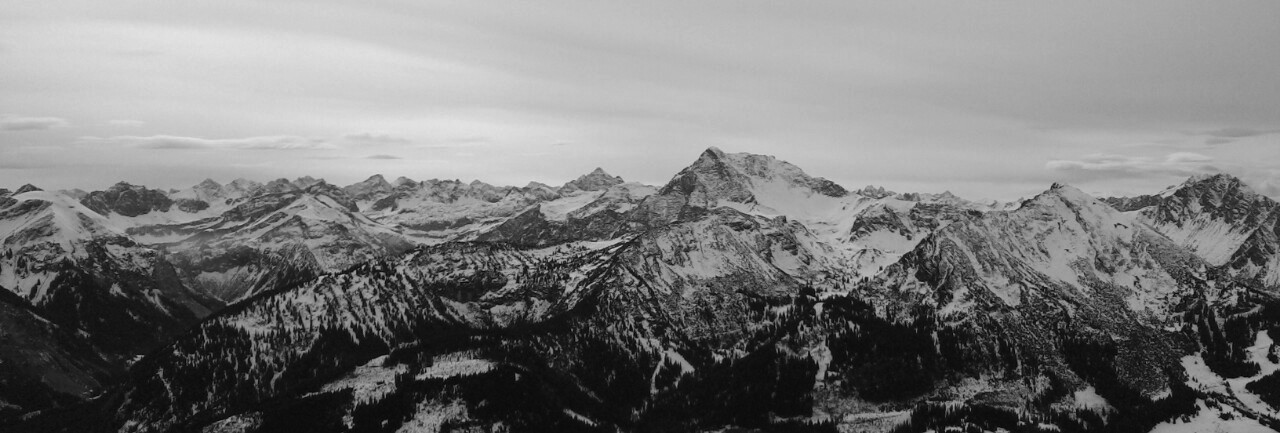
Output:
x=743 y=294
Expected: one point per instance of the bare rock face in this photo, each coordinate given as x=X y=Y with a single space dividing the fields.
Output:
x=47 y=365
x=596 y=180
x=128 y=200
x=369 y=189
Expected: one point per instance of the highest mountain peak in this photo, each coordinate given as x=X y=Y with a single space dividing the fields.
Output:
x=740 y=177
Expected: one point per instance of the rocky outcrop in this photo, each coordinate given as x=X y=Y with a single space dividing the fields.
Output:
x=127 y=200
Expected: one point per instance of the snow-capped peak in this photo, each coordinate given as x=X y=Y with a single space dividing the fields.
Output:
x=1215 y=216
x=1066 y=192
x=746 y=178
x=49 y=217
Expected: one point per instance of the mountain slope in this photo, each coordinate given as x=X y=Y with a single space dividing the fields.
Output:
x=273 y=239
x=80 y=300
x=441 y=210
x=1089 y=296
x=661 y=291
x=78 y=269
x=868 y=232
x=1225 y=222
x=576 y=216
x=44 y=365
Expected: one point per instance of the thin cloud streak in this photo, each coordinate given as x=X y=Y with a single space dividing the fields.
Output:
x=29 y=123
x=170 y=142
x=129 y=123
x=1113 y=166
x=378 y=139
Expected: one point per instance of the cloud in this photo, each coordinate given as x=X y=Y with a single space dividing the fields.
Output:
x=1187 y=157
x=1101 y=165
x=382 y=157
x=369 y=138
x=1240 y=132
x=126 y=123
x=1230 y=134
x=457 y=142
x=27 y=123
x=20 y=165
x=171 y=142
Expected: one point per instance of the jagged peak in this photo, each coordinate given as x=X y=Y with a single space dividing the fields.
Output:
x=27 y=188
x=875 y=191
x=1214 y=184
x=596 y=180
x=209 y=183
x=280 y=185
x=1211 y=178
x=307 y=181
x=401 y=181
x=597 y=173
x=377 y=178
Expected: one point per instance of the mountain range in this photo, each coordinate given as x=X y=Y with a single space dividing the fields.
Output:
x=742 y=295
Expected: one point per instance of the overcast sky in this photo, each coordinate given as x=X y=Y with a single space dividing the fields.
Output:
x=990 y=99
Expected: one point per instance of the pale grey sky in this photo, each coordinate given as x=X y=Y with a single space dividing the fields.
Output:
x=992 y=99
